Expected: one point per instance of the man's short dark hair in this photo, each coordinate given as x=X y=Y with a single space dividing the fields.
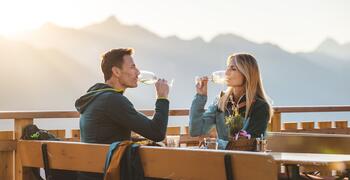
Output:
x=112 y=58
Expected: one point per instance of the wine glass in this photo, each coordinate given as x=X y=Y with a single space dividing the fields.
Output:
x=148 y=78
x=217 y=77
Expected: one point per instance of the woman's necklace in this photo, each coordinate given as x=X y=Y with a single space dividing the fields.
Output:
x=234 y=120
x=235 y=106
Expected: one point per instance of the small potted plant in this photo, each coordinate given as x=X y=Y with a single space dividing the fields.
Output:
x=238 y=139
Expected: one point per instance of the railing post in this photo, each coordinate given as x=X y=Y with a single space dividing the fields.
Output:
x=341 y=124
x=325 y=125
x=20 y=172
x=290 y=126
x=7 y=158
x=276 y=122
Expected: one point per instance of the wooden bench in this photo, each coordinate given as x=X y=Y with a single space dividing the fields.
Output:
x=158 y=162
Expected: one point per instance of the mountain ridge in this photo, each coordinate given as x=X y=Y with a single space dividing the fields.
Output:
x=289 y=78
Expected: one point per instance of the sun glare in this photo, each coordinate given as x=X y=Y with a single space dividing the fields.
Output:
x=16 y=16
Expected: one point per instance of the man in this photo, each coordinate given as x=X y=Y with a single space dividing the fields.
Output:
x=108 y=116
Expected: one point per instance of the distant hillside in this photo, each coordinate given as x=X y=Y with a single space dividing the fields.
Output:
x=333 y=48
x=39 y=78
x=290 y=79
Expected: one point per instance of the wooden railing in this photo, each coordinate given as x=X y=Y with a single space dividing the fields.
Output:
x=328 y=127
x=10 y=166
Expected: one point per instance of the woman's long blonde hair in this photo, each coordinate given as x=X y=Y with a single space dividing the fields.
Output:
x=248 y=66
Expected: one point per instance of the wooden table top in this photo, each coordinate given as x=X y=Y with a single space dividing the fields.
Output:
x=334 y=160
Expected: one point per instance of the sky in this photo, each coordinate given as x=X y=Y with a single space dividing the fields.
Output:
x=294 y=25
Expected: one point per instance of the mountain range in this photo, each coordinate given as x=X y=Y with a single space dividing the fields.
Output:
x=48 y=68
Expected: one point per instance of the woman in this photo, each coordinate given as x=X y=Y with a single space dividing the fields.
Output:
x=245 y=95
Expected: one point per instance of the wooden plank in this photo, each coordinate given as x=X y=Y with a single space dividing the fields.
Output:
x=173 y=112
x=7 y=145
x=194 y=141
x=308 y=125
x=269 y=127
x=295 y=109
x=276 y=122
x=189 y=141
x=329 y=161
x=179 y=112
x=193 y=164
x=7 y=158
x=168 y=163
x=60 y=133
x=187 y=130
x=309 y=143
x=173 y=130
x=290 y=125
x=19 y=125
x=21 y=173
x=324 y=124
x=75 y=133
x=321 y=131
x=65 y=155
x=5 y=135
x=71 y=114
x=38 y=114
x=341 y=124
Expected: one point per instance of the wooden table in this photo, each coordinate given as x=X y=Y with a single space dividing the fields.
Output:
x=329 y=161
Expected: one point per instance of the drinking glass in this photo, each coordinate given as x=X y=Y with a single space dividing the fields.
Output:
x=211 y=143
x=217 y=77
x=148 y=77
x=172 y=140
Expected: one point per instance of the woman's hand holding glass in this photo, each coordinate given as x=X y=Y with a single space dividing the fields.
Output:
x=202 y=85
x=217 y=77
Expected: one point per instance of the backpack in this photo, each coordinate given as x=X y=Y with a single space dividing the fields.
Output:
x=32 y=132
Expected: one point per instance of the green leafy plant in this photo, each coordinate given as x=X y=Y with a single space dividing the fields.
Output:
x=234 y=122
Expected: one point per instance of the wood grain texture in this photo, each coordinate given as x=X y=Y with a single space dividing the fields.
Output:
x=157 y=162
x=7 y=155
x=20 y=172
x=309 y=143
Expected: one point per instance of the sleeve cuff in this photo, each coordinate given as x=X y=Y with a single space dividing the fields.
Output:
x=201 y=96
x=160 y=97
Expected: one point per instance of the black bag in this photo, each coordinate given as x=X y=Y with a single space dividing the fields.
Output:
x=32 y=132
